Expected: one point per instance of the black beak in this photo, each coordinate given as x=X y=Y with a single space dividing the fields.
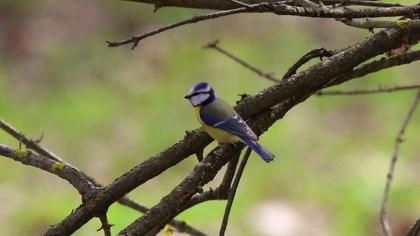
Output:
x=187 y=96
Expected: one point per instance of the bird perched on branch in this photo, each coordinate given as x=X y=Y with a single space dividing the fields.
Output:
x=221 y=122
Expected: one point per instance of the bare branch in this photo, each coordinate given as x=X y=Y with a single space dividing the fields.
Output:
x=29 y=143
x=372 y=24
x=226 y=5
x=239 y=3
x=137 y=38
x=181 y=226
x=215 y=45
x=383 y=214
x=232 y=191
x=361 y=3
x=279 y=8
x=371 y=67
x=61 y=169
x=369 y=91
x=317 y=52
x=414 y=230
x=229 y=174
x=80 y=177
x=106 y=227
x=257 y=108
x=173 y=203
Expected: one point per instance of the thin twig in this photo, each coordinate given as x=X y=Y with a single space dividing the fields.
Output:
x=215 y=45
x=369 y=91
x=317 y=52
x=61 y=169
x=29 y=143
x=383 y=214
x=106 y=227
x=239 y=3
x=137 y=38
x=232 y=191
x=229 y=174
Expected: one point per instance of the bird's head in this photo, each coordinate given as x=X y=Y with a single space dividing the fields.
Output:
x=200 y=94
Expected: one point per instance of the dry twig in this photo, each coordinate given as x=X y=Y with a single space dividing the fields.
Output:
x=317 y=52
x=386 y=228
x=369 y=91
x=215 y=45
x=232 y=191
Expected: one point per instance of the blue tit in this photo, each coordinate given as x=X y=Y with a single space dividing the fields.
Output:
x=221 y=122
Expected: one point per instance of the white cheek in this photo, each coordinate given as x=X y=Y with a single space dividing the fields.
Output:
x=199 y=98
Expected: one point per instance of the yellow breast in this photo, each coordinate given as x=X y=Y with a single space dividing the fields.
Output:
x=219 y=135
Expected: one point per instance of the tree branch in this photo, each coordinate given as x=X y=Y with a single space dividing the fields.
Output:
x=225 y=5
x=369 y=91
x=371 y=67
x=232 y=191
x=58 y=168
x=278 y=8
x=106 y=227
x=29 y=143
x=383 y=214
x=317 y=52
x=414 y=230
x=80 y=176
x=204 y=172
x=372 y=24
x=181 y=226
x=215 y=45
x=254 y=108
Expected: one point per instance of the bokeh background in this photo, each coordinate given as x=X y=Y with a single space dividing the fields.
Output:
x=106 y=110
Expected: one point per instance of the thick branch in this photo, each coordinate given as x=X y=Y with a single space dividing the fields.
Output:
x=80 y=177
x=204 y=172
x=298 y=86
x=371 y=67
x=181 y=226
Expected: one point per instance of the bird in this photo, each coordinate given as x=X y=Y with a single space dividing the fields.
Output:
x=221 y=121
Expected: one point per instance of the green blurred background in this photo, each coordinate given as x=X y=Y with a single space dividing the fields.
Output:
x=106 y=110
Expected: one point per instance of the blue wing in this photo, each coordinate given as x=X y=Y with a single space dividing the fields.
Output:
x=233 y=124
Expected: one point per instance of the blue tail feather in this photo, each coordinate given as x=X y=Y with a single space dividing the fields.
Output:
x=266 y=155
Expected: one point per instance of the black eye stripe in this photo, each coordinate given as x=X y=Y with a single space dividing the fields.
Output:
x=194 y=94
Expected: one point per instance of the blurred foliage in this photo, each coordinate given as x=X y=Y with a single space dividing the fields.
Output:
x=106 y=110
